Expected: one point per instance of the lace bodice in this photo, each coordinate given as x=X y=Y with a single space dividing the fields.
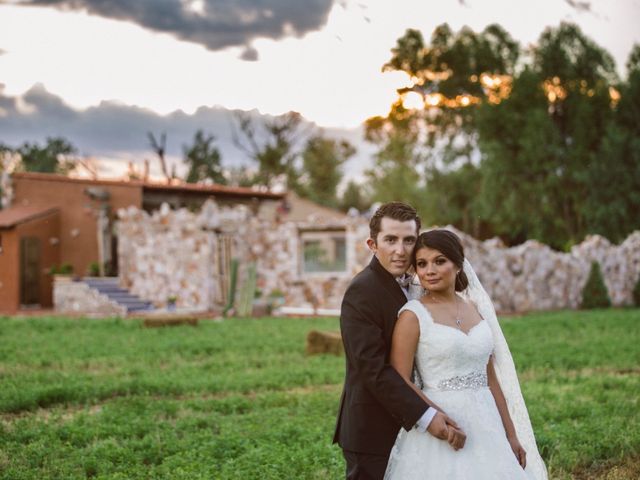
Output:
x=446 y=357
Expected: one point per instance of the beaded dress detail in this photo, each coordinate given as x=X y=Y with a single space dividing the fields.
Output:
x=452 y=365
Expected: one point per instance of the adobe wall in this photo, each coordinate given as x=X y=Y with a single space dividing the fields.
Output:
x=9 y=271
x=78 y=227
x=46 y=229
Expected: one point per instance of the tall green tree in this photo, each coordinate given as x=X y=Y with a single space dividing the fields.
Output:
x=203 y=159
x=322 y=161
x=395 y=175
x=56 y=156
x=614 y=174
x=452 y=73
x=539 y=144
x=423 y=148
x=354 y=196
x=451 y=197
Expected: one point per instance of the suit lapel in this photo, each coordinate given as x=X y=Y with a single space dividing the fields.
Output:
x=388 y=280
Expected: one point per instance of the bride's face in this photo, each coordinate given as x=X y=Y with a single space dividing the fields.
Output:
x=436 y=272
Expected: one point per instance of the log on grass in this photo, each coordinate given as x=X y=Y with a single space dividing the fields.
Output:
x=169 y=321
x=324 y=342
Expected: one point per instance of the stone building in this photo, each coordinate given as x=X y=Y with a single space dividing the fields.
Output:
x=82 y=230
x=304 y=264
x=28 y=240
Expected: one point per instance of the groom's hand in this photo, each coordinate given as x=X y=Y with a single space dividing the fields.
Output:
x=438 y=426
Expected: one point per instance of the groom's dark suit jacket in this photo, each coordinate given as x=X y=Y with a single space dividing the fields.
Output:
x=376 y=401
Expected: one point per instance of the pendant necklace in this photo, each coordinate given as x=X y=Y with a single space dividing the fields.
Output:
x=458 y=319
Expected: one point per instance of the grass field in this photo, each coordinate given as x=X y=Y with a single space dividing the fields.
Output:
x=238 y=399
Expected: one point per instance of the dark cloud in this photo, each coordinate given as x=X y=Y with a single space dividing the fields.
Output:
x=250 y=54
x=109 y=129
x=216 y=24
x=582 y=6
x=119 y=131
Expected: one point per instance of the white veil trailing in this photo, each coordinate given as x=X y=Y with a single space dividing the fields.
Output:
x=506 y=373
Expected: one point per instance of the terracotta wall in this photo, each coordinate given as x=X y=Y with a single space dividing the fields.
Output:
x=78 y=230
x=46 y=229
x=9 y=271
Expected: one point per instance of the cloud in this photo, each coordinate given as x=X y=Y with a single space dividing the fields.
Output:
x=216 y=24
x=250 y=54
x=108 y=129
x=581 y=6
x=118 y=132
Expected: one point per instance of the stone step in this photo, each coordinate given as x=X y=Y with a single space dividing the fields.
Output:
x=109 y=286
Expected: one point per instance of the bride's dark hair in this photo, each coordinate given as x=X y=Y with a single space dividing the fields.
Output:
x=449 y=245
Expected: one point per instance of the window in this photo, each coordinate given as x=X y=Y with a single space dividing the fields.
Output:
x=324 y=251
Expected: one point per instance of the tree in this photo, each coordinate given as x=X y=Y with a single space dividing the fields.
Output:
x=454 y=74
x=395 y=175
x=272 y=144
x=203 y=159
x=614 y=174
x=594 y=293
x=422 y=148
x=56 y=156
x=241 y=176
x=7 y=164
x=354 y=197
x=451 y=197
x=539 y=144
x=322 y=160
x=159 y=146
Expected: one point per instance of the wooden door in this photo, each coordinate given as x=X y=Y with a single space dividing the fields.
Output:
x=29 y=270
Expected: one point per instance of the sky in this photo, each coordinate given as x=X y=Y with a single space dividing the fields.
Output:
x=104 y=73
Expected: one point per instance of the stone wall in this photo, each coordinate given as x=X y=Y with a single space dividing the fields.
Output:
x=182 y=253
x=70 y=296
x=532 y=276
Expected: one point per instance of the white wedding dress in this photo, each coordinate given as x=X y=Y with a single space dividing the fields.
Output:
x=452 y=365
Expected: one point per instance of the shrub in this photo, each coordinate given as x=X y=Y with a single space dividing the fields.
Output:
x=594 y=293
x=94 y=269
x=64 y=269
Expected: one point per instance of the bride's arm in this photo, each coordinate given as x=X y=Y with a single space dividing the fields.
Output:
x=501 y=403
x=404 y=344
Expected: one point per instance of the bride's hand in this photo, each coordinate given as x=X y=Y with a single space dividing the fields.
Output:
x=518 y=451
x=445 y=428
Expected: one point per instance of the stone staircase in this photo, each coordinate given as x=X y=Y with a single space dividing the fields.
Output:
x=108 y=286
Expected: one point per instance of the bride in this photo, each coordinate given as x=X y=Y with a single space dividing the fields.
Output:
x=452 y=337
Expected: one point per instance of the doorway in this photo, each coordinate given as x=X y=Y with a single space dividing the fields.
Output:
x=29 y=271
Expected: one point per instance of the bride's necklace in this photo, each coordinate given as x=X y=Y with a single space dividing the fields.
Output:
x=457 y=317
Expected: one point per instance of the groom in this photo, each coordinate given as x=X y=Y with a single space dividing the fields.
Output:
x=376 y=401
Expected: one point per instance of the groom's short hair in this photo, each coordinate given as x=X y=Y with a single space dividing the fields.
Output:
x=396 y=211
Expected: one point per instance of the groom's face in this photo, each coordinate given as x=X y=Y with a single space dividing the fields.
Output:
x=394 y=244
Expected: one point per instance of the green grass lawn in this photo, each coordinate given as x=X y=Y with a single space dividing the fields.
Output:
x=238 y=399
